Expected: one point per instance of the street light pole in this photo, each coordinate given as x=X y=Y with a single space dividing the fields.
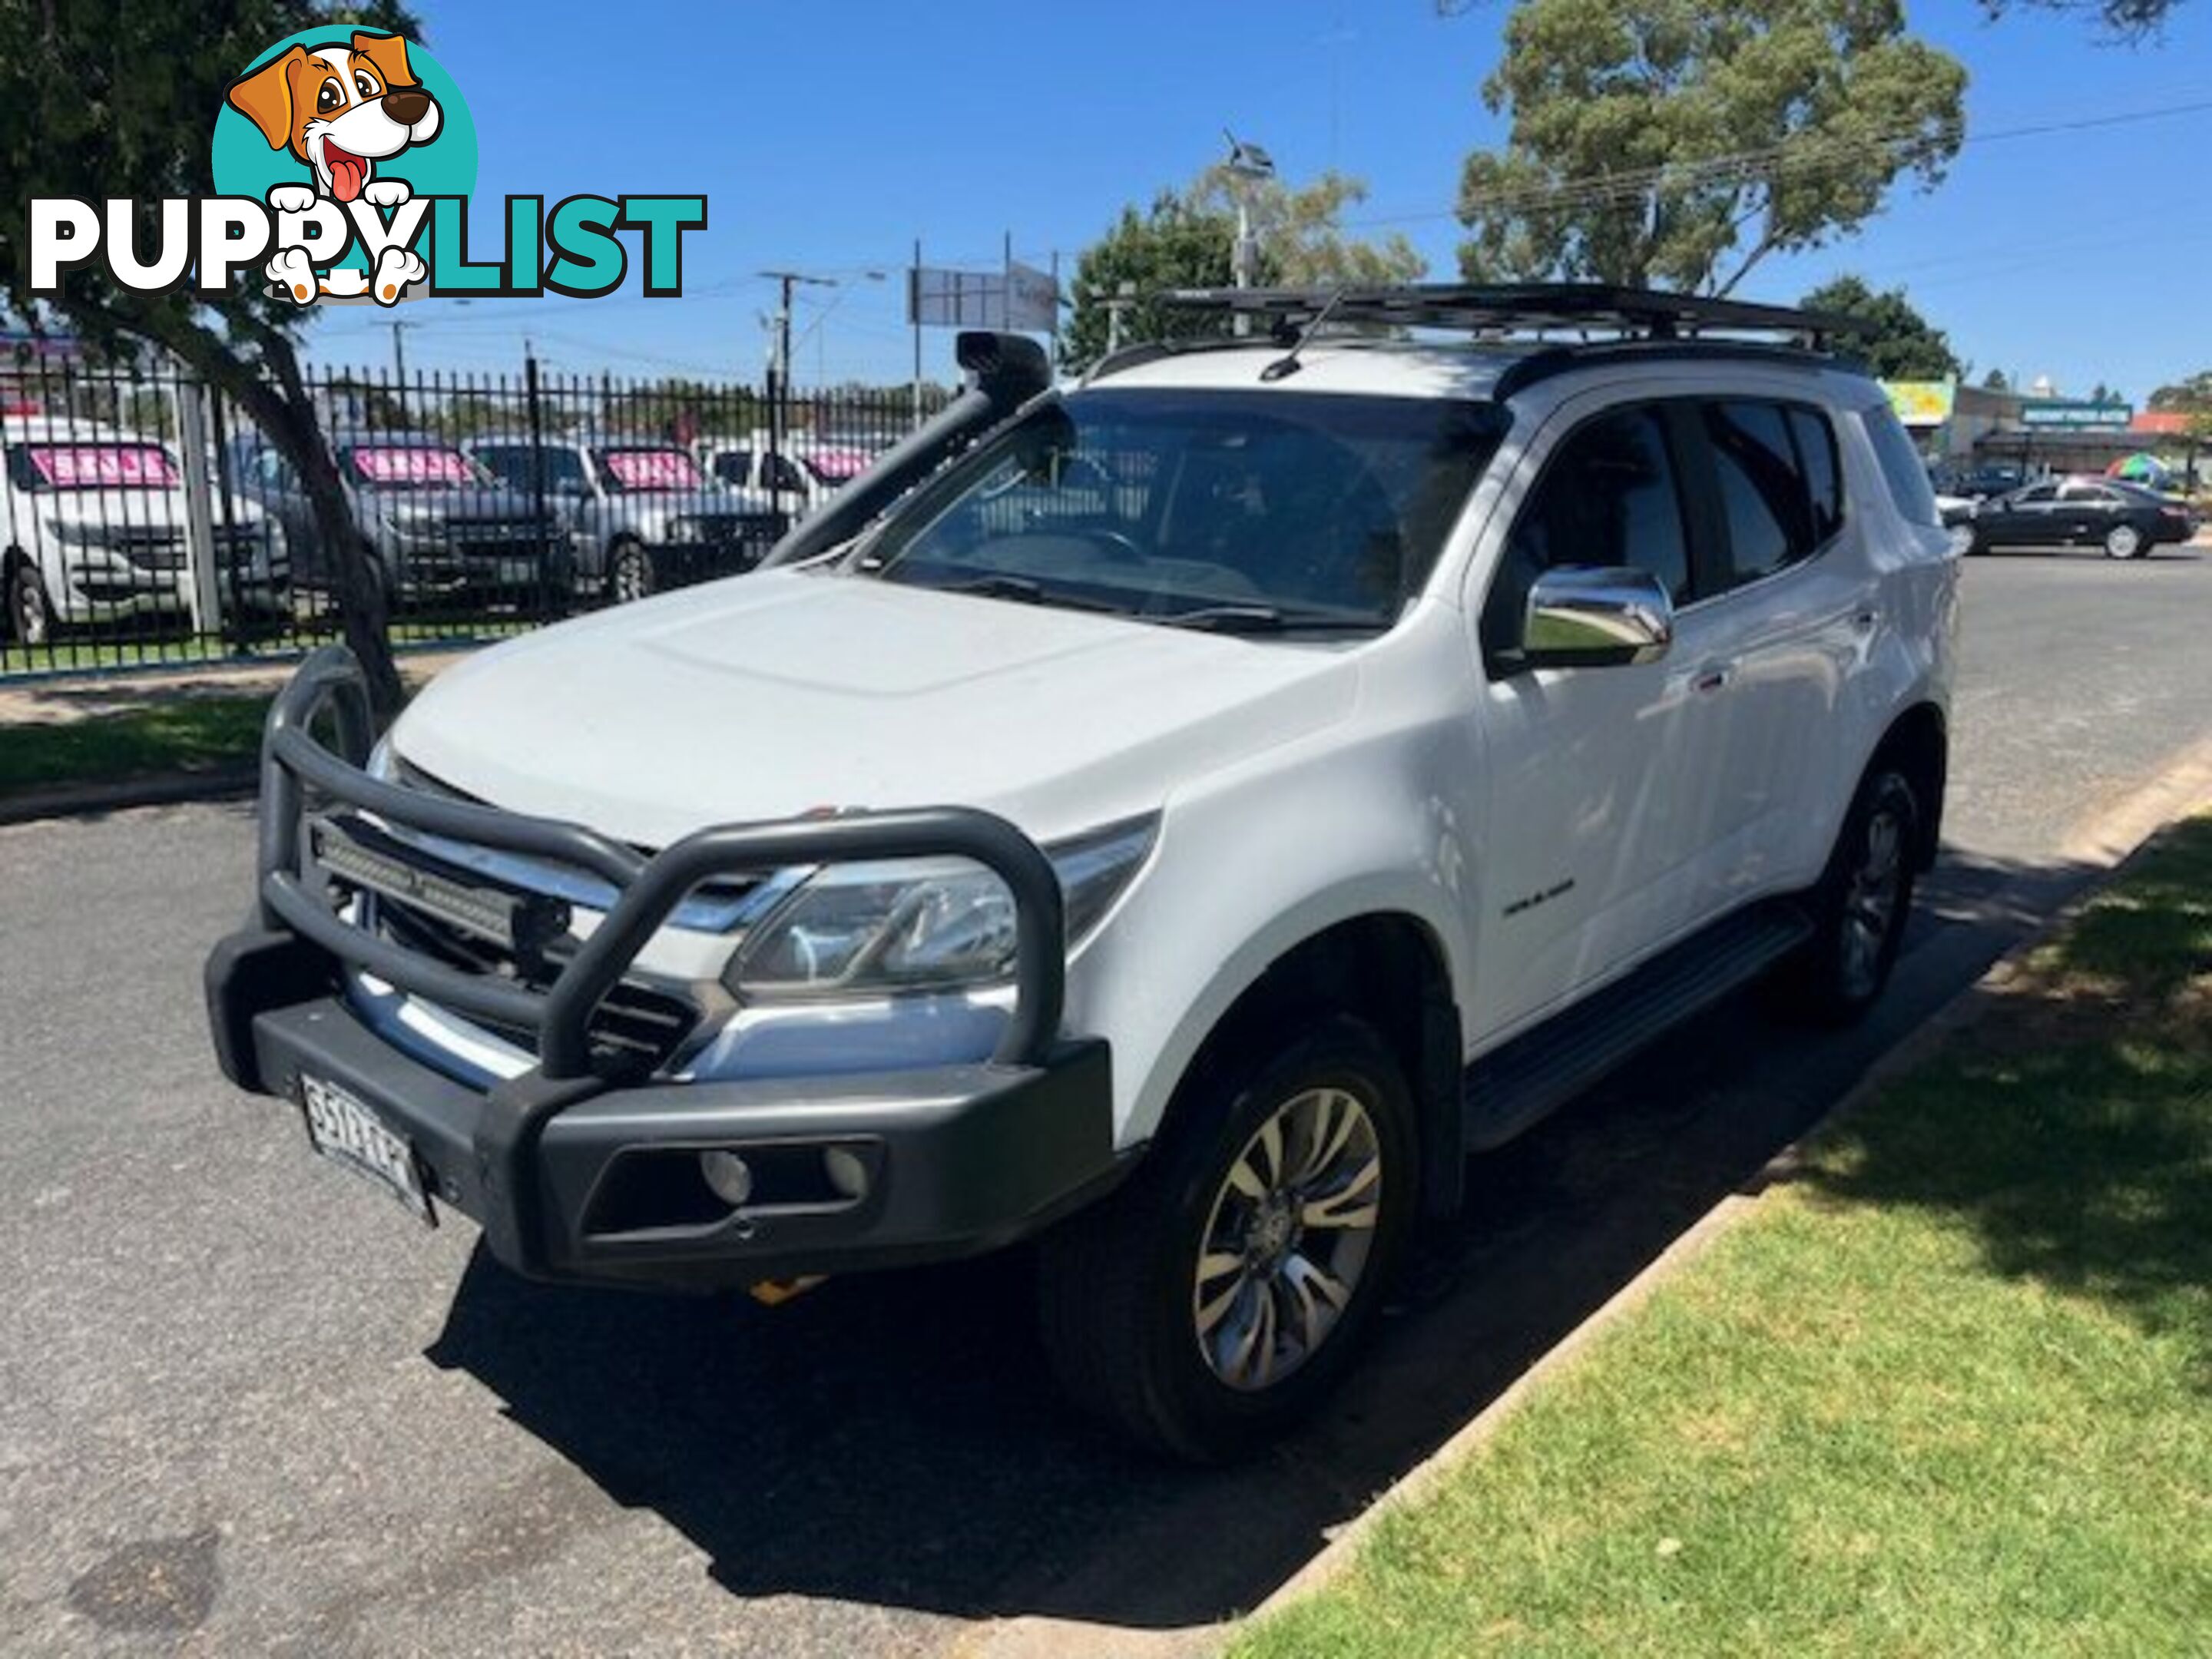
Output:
x=1250 y=165
x=779 y=388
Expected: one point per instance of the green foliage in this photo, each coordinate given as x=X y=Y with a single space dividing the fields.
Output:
x=1651 y=139
x=1187 y=239
x=102 y=101
x=1996 y=380
x=2190 y=395
x=1903 y=346
x=2129 y=20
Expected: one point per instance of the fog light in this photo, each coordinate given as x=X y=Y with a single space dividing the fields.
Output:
x=846 y=1172
x=729 y=1176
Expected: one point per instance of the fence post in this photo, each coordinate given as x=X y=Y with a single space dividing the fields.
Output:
x=206 y=594
x=553 y=582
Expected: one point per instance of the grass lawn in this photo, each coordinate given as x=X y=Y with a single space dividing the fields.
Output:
x=191 y=734
x=1948 y=1392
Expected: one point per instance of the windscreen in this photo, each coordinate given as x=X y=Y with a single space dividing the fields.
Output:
x=100 y=466
x=651 y=468
x=410 y=466
x=1258 y=511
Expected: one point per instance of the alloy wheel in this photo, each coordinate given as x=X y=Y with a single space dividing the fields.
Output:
x=2124 y=541
x=1873 y=902
x=1288 y=1238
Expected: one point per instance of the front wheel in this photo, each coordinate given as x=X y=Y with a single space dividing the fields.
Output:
x=1223 y=1291
x=1862 y=905
x=30 y=611
x=629 y=574
x=2124 y=541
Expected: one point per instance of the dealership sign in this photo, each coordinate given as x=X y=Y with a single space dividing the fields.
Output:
x=2076 y=414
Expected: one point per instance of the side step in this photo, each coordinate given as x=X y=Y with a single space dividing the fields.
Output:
x=1512 y=1086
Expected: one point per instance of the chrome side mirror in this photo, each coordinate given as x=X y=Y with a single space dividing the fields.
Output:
x=1579 y=616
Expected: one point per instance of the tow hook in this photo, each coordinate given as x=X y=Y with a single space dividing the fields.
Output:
x=774 y=1292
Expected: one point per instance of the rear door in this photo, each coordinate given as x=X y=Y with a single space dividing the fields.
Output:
x=1798 y=595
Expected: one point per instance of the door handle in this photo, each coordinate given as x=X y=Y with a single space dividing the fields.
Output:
x=1712 y=677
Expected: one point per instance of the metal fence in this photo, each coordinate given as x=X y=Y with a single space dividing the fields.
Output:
x=146 y=522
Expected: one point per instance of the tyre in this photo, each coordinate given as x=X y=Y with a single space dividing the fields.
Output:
x=629 y=574
x=31 y=620
x=2125 y=541
x=1225 y=1289
x=1861 y=906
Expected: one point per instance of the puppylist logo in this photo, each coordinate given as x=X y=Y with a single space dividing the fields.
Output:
x=343 y=162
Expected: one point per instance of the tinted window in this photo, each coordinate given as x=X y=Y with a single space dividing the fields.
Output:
x=1769 y=512
x=1608 y=496
x=1824 y=478
x=1901 y=466
x=1329 y=509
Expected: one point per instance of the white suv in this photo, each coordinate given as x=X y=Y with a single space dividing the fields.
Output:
x=1178 y=819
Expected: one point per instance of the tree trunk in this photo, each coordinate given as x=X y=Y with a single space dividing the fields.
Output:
x=286 y=415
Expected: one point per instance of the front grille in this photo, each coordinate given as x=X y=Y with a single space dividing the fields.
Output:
x=747 y=529
x=149 y=549
x=500 y=547
x=637 y=1027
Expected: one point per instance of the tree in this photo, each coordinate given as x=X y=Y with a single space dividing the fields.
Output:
x=1186 y=240
x=1903 y=345
x=1996 y=380
x=2128 y=19
x=80 y=115
x=1652 y=139
x=2189 y=396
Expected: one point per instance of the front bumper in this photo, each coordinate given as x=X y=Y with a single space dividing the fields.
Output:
x=586 y=1171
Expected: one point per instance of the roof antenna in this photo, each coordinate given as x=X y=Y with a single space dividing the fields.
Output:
x=1287 y=365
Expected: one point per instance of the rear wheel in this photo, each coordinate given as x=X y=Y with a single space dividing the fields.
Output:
x=1861 y=904
x=1222 y=1291
x=2125 y=541
x=30 y=613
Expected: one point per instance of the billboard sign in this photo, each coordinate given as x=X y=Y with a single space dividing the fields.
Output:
x=1922 y=403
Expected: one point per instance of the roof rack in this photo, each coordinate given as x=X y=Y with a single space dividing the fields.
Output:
x=1520 y=309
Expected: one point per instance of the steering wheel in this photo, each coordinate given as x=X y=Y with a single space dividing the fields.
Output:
x=1113 y=542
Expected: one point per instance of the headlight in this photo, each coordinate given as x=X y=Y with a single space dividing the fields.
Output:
x=907 y=924
x=684 y=530
x=78 y=533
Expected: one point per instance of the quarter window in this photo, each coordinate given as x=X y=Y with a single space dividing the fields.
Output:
x=1901 y=467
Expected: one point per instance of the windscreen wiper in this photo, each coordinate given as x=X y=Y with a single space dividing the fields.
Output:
x=1026 y=592
x=1266 y=619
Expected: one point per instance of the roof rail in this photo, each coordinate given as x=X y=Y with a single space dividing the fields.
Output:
x=1520 y=309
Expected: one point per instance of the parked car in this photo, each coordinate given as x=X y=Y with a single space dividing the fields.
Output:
x=797 y=480
x=1979 y=481
x=1379 y=743
x=436 y=528
x=643 y=515
x=2123 y=519
x=93 y=529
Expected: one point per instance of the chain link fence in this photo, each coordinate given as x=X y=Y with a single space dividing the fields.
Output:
x=147 y=523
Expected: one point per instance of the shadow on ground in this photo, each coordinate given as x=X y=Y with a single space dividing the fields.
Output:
x=895 y=1440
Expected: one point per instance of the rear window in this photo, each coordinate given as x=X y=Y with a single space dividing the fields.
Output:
x=1901 y=466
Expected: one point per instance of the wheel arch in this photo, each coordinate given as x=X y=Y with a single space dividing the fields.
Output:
x=1388 y=967
x=1918 y=742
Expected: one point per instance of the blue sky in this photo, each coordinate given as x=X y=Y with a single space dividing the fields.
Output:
x=827 y=136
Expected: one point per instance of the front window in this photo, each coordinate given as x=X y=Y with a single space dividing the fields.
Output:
x=92 y=466
x=650 y=469
x=1248 y=512
x=409 y=466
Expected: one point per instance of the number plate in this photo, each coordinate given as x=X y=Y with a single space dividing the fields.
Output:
x=345 y=1130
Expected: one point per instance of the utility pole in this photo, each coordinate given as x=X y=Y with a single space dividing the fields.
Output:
x=779 y=387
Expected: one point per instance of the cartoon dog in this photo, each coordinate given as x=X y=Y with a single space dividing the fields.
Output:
x=341 y=110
